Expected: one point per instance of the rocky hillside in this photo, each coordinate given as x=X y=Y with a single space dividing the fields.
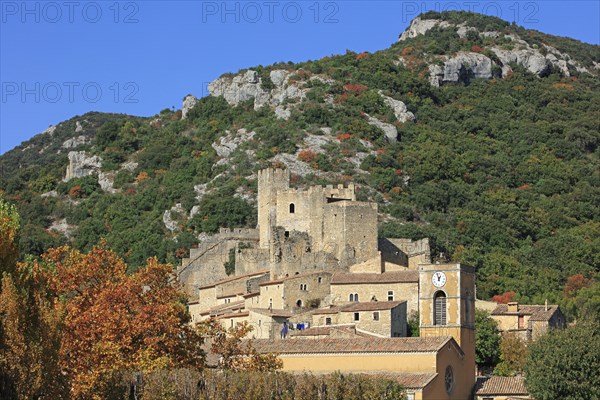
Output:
x=476 y=133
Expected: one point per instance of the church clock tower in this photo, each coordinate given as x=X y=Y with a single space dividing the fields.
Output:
x=447 y=305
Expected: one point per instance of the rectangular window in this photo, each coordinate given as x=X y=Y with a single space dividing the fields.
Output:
x=357 y=316
x=390 y=295
x=327 y=321
x=521 y=321
x=376 y=316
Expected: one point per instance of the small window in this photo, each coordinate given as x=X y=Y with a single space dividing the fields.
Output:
x=390 y=295
x=299 y=303
x=303 y=287
x=351 y=297
x=357 y=316
x=327 y=321
x=376 y=316
x=231 y=323
x=355 y=296
x=292 y=208
x=319 y=279
x=287 y=234
x=259 y=321
x=449 y=379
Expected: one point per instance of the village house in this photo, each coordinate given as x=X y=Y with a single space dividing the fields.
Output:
x=528 y=321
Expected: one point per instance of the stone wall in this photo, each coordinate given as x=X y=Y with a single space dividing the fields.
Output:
x=206 y=263
x=317 y=287
x=408 y=291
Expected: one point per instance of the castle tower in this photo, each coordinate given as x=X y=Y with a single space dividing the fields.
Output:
x=269 y=182
x=447 y=306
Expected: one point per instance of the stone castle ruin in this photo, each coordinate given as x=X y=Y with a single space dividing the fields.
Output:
x=301 y=231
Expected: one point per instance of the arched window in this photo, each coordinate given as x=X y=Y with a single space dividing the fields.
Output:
x=299 y=303
x=439 y=308
x=292 y=208
x=351 y=297
x=355 y=296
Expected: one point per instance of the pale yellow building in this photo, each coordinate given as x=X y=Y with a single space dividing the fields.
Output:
x=438 y=361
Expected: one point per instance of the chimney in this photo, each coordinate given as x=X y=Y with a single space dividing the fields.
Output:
x=513 y=306
x=546 y=305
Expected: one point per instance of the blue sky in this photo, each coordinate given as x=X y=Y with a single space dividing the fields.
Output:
x=59 y=59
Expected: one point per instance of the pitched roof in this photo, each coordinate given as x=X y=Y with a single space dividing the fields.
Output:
x=501 y=385
x=407 y=276
x=408 y=379
x=288 y=278
x=326 y=311
x=353 y=345
x=371 y=306
x=231 y=293
x=536 y=312
x=327 y=330
x=234 y=315
x=273 y=312
x=234 y=278
x=227 y=306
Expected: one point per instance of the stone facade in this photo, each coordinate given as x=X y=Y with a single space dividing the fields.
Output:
x=298 y=231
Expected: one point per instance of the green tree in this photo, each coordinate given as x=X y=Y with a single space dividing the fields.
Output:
x=487 y=340
x=565 y=364
x=513 y=355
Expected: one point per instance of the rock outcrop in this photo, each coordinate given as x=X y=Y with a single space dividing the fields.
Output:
x=171 y=223
x=248 y=85
x=228 y=143
x=420 y=26
x=389 y=130
x=400 y=111
x=463 y=67
x=188 y=103
x=75 y=142
x=80 y=165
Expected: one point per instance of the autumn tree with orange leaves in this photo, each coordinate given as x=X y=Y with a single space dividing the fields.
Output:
x=116 y=322
x=236 y=353
x=71 y=323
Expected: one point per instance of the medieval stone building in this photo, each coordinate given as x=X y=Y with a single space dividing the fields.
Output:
x=322 y=290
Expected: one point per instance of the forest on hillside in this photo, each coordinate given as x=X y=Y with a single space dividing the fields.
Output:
x=502 y=174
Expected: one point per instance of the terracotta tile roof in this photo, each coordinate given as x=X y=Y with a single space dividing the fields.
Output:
x=536 y=312
x=328 y=330
x=371 y=306
x=288 y=278
x=326 y=311
x=234 y=278
x=234 y=315
x=408 y=276
x=248 y=295
x=227 y=306
x=193 y=302
x=230 y=294
x=408 y=379
x=354 y=345
x=501 y=385
x=273 y=312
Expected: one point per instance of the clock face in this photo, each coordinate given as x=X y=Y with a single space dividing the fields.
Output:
x=438 y=279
